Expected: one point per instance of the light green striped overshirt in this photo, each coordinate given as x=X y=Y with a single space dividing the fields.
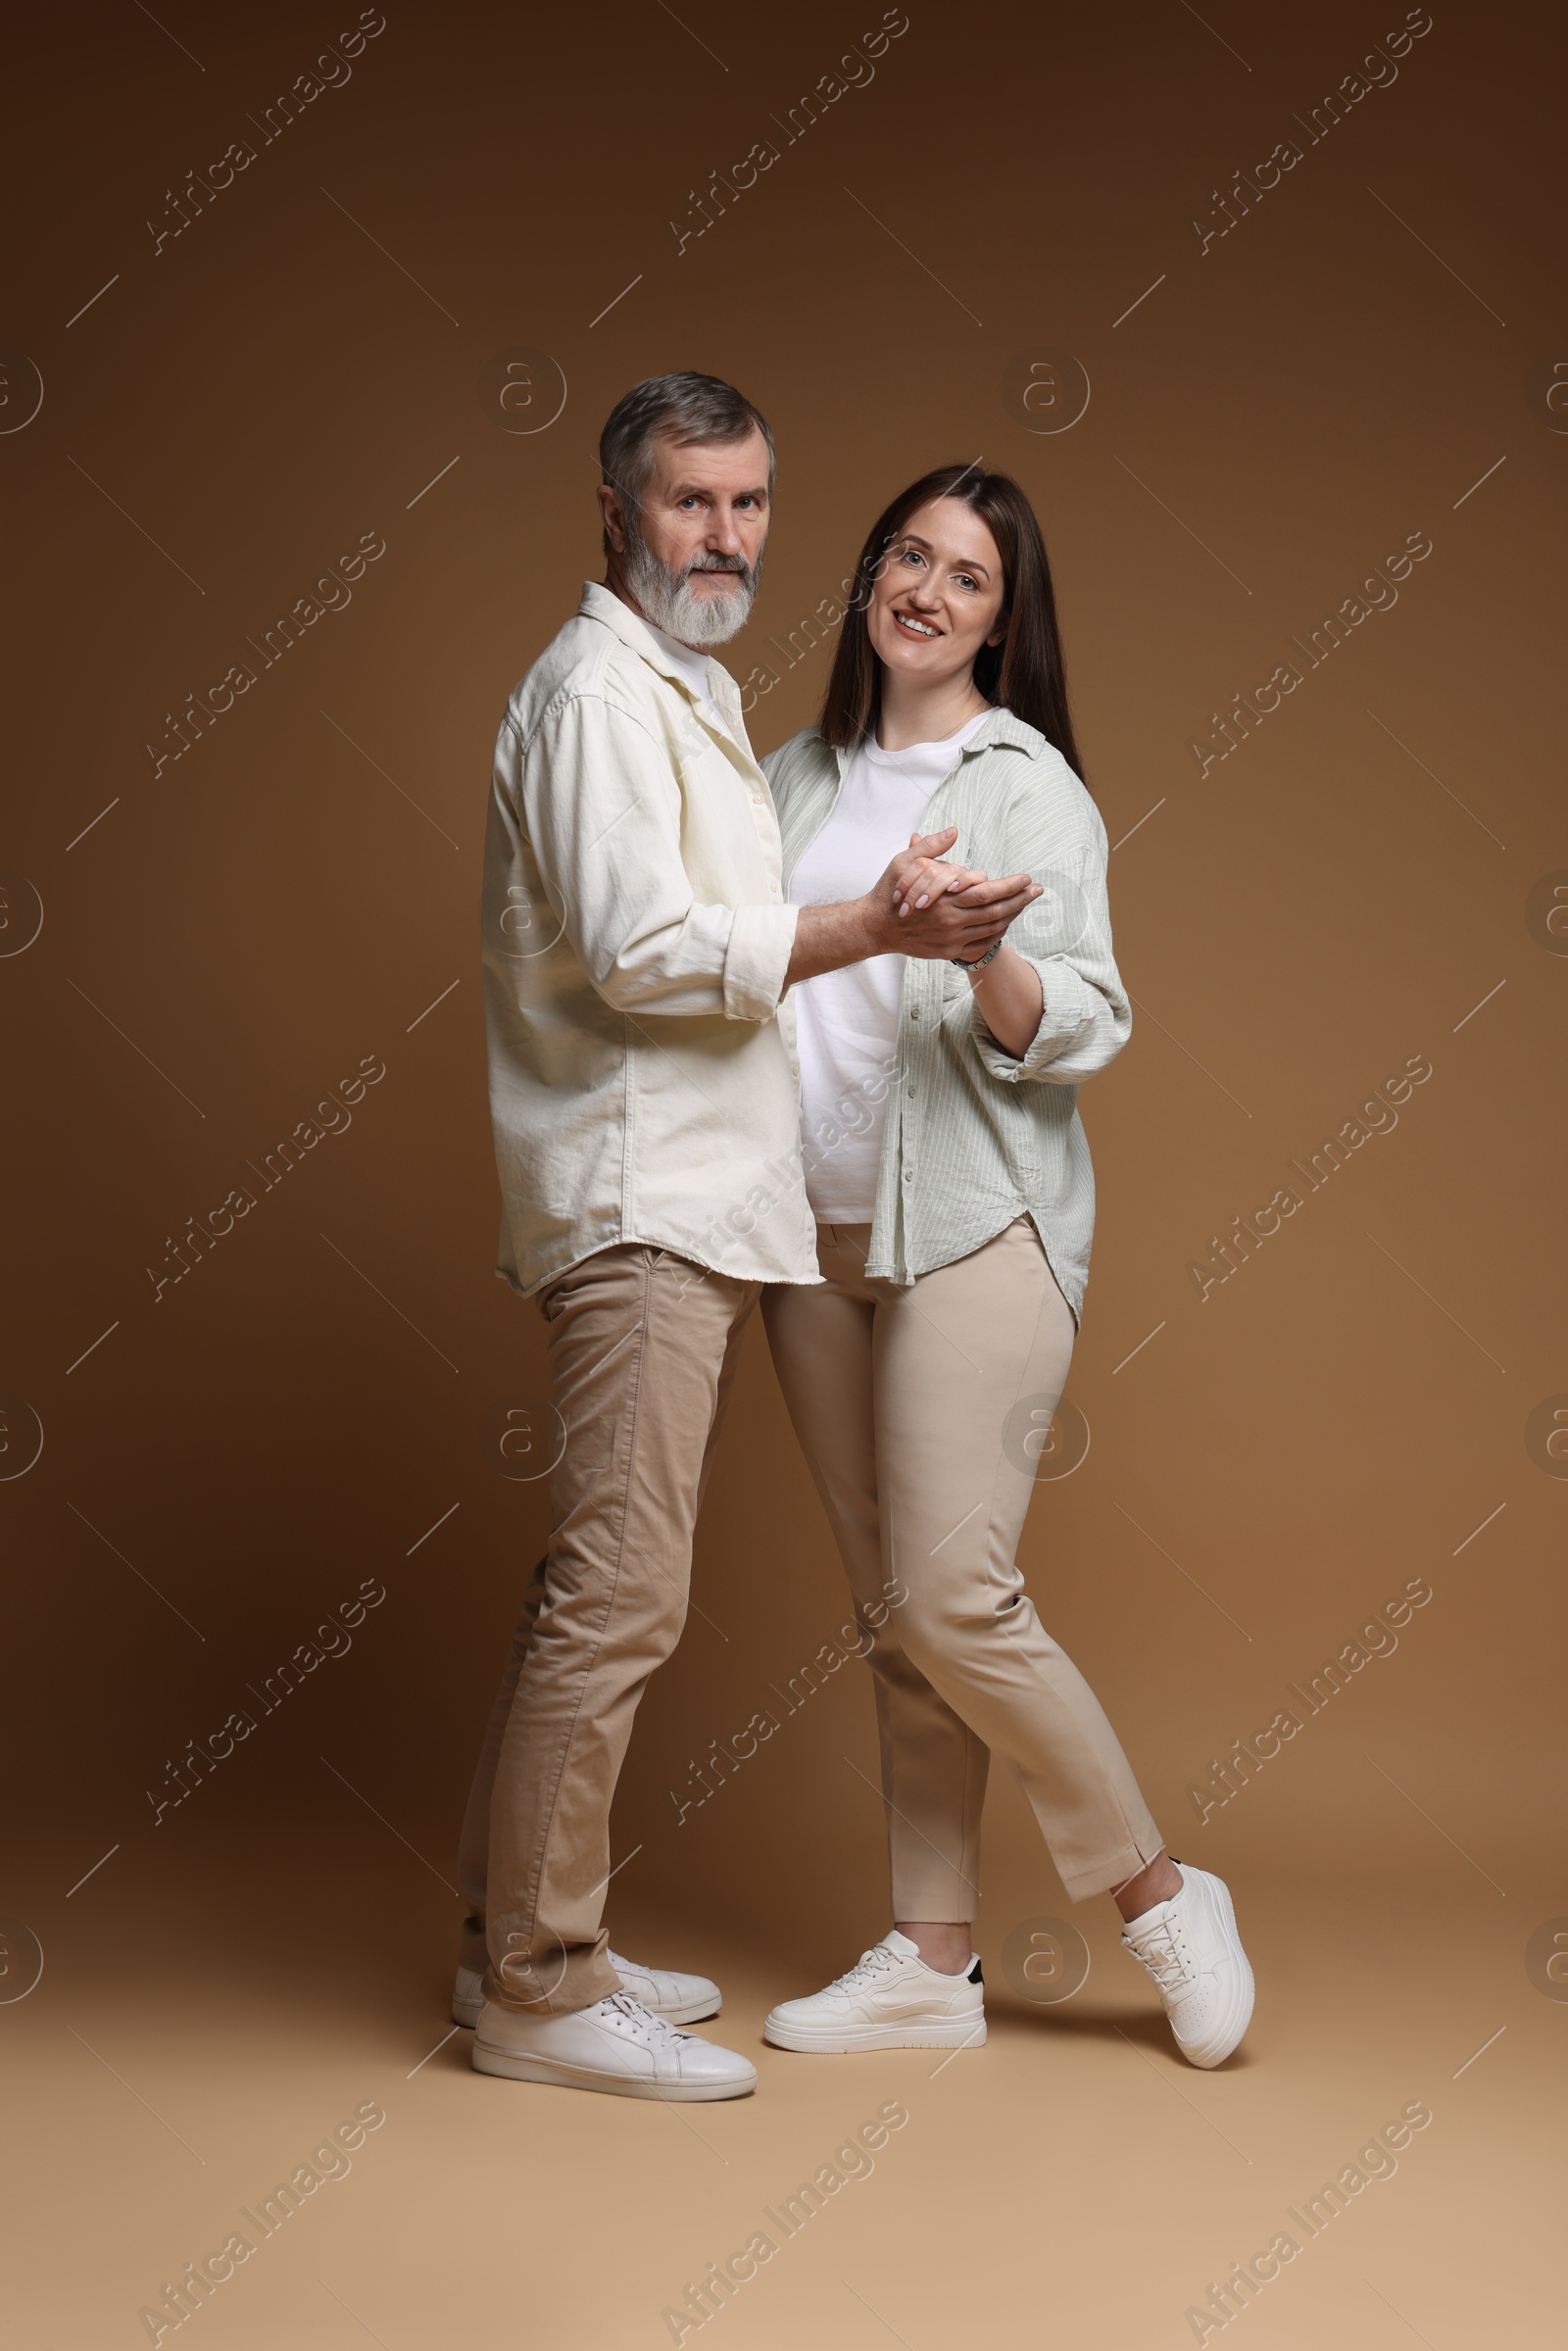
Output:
x=975 y=1138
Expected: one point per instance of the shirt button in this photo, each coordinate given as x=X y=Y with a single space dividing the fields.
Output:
x=914 y=1016
x=908 y=1175
x=911 y=1093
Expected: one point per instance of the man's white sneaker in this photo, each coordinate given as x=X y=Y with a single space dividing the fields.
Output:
x=678 y=1999
x=889 y=1999
x=615 y=2046
x=1191 y=1947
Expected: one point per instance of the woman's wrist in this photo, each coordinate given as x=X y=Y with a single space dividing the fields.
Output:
x=1011 y=999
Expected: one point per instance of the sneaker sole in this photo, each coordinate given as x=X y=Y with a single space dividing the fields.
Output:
x=696 y=2012
x=510 y=2066
x=830 y=2042
x=1240 y=2012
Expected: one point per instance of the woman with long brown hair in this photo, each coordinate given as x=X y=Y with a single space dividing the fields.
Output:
x=949 y=1177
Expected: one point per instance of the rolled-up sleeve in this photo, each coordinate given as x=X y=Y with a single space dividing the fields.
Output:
x=1085 y=1016
x=762 y=941
x=600 y=802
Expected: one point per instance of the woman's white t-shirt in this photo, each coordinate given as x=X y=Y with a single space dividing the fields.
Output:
x=847 y=1022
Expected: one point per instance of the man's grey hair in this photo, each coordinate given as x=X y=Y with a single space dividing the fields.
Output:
x=689 y=407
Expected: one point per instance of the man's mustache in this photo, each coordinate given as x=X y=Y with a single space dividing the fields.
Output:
x=720 y=562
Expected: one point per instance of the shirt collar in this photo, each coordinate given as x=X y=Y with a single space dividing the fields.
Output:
x=1003 y=727
x=600 y=603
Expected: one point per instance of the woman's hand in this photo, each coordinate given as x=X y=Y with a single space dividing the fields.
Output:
x=923 y=871
x=927 y=878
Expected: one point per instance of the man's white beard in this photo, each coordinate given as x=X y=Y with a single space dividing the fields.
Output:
x=681 y=610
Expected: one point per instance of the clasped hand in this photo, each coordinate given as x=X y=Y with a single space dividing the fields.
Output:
x=935 y=909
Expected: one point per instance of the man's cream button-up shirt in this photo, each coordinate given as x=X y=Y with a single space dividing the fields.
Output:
x=643 y=1073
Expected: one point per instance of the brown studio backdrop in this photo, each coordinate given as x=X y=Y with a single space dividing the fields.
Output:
x=288 y=898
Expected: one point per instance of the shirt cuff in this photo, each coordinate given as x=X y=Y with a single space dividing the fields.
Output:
x=762 y=941
x=1064 y=1008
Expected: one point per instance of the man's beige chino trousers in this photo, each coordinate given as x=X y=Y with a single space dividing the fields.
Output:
x=643 y=1348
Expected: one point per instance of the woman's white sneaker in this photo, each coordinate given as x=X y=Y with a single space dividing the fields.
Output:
x=678 y=1999
x=1191 y=1947
x=889 y=1999
x=615 y=2046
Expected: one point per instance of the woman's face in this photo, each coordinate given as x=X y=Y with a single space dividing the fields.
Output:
x=938 y=595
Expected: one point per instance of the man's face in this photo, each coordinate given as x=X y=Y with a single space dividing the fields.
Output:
x=693 y=553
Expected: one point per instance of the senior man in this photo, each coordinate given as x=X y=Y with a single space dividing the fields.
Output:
x=644 y=1094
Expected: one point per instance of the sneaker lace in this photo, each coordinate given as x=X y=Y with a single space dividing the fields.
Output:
x=622 y=2013
x=1164 y=1954
x=874 y=1962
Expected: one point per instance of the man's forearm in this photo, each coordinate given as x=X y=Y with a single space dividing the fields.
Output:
x=826 y=938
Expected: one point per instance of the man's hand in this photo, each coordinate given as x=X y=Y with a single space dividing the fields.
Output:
x=1008 y=991
x=920 y=907
x=935 y=902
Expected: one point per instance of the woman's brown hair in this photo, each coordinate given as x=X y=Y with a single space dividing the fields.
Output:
x=1024 y=672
